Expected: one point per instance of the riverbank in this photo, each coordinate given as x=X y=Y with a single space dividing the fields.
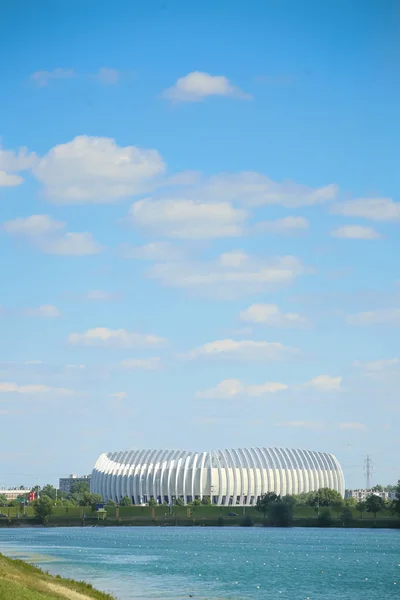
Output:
x=201 y=521
x=22 y=581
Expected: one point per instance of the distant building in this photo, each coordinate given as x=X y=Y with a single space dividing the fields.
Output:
x=232 y=477
x=13 y=494
x=65 y=483
x=361 y=495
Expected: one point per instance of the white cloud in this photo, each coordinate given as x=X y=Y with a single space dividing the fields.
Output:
x=325 y=383
x=12 y=163
x=118 y=338
x=287 y=225
x=242 y=350
x=196 y=86
x=42 y=78
x=47 y=311
x=33 y=362
x=7 y=180
x=142 y=364
x=356 y=232
x=231 y=388
x=7 y=387
x=187 y=219
x=255 y=189
x=375 y=209
x=353 y=425
x=232 y=274
x=155 y=251
x=119 y=395
x=303 y=424
x=376 y=366
x=107 y=76
x=96 y=170
x=99 y=296
x=385 y=316
x=270 y=314
x=33 y=225
x=46 y=234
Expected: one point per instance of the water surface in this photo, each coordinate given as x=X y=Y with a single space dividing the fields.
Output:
x=218 y=563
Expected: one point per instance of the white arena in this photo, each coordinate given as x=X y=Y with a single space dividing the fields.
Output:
x=228 y=477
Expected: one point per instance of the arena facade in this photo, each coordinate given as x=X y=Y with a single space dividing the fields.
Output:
x=229 y=477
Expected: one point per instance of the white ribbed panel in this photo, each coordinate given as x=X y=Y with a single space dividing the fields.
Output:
x=243 y=473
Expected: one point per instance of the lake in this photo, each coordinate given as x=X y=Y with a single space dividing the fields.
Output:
x=151 y=563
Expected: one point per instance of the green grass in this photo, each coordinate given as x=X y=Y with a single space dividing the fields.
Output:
x=22 y=581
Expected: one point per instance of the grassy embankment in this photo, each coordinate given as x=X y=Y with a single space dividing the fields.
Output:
x=21 y=581
x=304 y=516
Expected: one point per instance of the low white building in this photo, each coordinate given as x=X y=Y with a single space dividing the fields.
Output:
x=13 y=494
x=361 y=494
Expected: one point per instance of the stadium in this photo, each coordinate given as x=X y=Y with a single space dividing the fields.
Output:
x=229 y=477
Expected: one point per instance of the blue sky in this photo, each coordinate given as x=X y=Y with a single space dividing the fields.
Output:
x=199 y=233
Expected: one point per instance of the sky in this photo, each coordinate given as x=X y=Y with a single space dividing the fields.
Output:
x=199 y=231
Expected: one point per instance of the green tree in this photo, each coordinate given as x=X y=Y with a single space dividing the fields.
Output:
x=337 y=506
x=3 y=500
x=374 y=504
x=89 y=499
x=264 y=502
x=196 y=502
x=125 y=501
x=346 y=515
x=50 y=491
x=280 y=513
x=377 y=488
x=110 y=503
x=361 y=507
x=350 y=502
x=43 y=508
x=206 y=500
x=289 y=500
x=396 y=501
x=325 y=518
x=152 y=502
x=324 y=497
x=79 y=487
x=179 y=501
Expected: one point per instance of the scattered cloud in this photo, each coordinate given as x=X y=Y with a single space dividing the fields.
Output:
x=187 y=219
x=242 y=350
x=353 y=425
x=154 y=251
x=270 y=314
x=196 y=86
x=119 y=395
x=384 y=316
x=376 y=366
x=325 y=383
x=7 y=387
x=107 y=76
x=96 y=170
x=47 y=311
x=99 y=296
x=375 y=209
x=356 y=232
x=33 y=362
x=142 y=364
x=118 y=338
x=232 y=388
x=254 y=189
x=231 y=274
x=47 y=234
x=7 y=180
x=12 y=163
x=287 y=225
x=42 y=78
x=303 y=424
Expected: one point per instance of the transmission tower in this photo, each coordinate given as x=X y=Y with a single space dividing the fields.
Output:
x=368 y=468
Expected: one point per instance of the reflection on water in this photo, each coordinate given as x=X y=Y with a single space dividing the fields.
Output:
x=150 y=563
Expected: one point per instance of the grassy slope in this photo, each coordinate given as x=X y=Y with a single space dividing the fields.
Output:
x=21 y=581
